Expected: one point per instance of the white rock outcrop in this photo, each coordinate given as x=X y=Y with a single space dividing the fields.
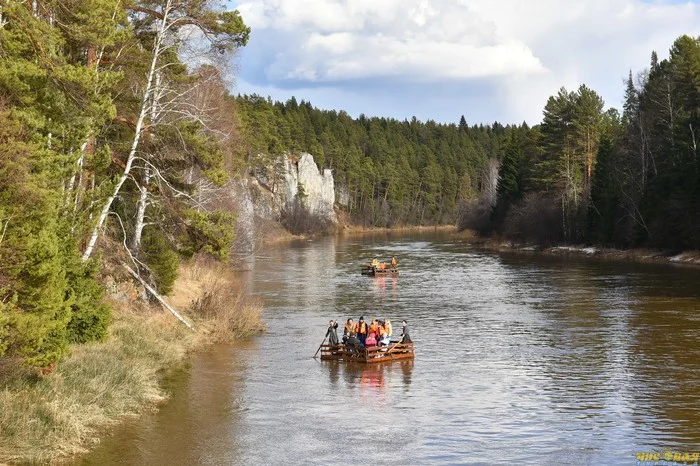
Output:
x=270 y=197
x=318 y=186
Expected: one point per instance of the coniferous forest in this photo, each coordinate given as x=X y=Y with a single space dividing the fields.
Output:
x=117 y=127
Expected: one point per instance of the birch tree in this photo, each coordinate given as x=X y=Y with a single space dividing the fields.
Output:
x=222 y=30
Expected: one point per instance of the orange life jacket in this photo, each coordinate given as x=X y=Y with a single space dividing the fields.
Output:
x=382 y=331
x=350 y=329
x=387 y=328
x=361 y=328
x=374 y=328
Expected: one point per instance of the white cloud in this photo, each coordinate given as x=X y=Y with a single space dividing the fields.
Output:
x=524 y=50
x=327 y=41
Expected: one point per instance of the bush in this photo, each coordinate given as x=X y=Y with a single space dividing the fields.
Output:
x=90 y=316
x=476 y=216
x=162 y=260
x=536 y=219
x=298 y=220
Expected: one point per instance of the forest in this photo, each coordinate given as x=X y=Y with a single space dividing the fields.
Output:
x=113 y=115
x=388 y=172
x=625 y=179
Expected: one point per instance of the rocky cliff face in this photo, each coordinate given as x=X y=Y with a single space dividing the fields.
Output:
x=313 y=189
x=287 y=186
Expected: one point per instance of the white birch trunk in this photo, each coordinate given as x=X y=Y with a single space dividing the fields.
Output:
x=143 y=196
x=141 y=212
x=145 y=103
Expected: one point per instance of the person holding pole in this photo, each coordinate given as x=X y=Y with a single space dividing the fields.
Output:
x=332 y=333
x=405 y=337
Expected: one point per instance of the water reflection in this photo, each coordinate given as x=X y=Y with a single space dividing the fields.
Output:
x=370 y=381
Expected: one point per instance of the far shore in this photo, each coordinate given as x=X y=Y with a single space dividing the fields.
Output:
x=651 y=256
x=359 y=229
x=685 y=258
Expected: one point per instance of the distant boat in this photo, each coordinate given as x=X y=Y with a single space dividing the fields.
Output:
x=370 y=355
x=376 y=271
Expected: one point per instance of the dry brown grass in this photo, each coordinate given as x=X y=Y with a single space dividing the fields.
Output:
x=359 y=229
x=44 y=418
x=217 y=299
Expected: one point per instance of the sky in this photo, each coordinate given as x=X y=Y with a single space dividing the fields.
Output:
x=489 y=60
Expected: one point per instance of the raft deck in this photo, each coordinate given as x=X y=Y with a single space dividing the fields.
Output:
x=374 y=271
x=363 y=355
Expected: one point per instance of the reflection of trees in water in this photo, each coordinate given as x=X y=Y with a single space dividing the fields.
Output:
x=665 y=363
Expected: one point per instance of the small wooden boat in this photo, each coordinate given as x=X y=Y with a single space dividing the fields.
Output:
x=376 y=271
x=371 y=355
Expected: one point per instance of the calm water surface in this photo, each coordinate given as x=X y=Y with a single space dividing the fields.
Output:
x=519 y=360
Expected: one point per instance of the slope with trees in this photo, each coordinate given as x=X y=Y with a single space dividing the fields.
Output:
x=107 y=128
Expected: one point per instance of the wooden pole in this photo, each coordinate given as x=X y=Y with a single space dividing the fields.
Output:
x=319 y=346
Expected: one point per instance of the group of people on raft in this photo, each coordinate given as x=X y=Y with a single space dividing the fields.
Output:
x=375 y=264
x=376 y=333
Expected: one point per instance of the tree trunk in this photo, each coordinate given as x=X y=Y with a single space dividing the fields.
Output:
x=145 y=103
x=141 y=211
x=143 y=196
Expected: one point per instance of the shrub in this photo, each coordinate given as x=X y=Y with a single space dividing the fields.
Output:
x=162 y=260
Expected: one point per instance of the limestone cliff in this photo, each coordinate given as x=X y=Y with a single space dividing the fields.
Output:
x=290 y=185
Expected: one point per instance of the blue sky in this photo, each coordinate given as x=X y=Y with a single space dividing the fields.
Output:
x=438 y=59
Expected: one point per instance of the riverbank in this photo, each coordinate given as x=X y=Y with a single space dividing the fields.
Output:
x=686 y=258
x=360 y=230
x=274 y=233
x=51 y=416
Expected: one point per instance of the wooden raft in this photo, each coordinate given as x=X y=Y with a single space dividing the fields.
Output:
x=375 y=272
x=371 y=355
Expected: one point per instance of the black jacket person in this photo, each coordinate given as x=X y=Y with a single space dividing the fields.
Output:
x=332 y=333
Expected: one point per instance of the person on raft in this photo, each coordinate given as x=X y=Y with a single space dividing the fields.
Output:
x=405 y=337
x=350 y=328
x=362 y=330
x=353 y=343
x=332 y=333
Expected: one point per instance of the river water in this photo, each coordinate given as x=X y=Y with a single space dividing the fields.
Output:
x=520 y=359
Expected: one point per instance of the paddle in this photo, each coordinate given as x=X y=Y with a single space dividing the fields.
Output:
x=319 y=346
x=395 y=344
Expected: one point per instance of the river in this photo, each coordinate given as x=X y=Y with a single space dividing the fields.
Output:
x=520 y=359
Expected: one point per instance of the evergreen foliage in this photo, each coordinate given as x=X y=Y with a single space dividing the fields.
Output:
x=161 y=259
x=73 y=82
x=629 y=181
x=395 y=172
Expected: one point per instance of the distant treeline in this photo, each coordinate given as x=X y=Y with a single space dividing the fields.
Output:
x=393 y=172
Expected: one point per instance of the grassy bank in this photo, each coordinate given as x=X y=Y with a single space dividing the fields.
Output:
x=46 y=417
